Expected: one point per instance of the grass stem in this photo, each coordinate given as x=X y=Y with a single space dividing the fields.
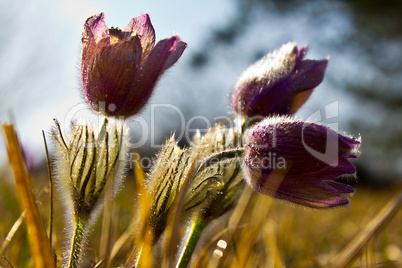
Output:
x=197 y=227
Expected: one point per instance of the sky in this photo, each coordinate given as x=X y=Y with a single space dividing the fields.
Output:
x=39 y=62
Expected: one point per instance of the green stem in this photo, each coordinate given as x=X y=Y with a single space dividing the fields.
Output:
x=197 y=227
x=77 y=244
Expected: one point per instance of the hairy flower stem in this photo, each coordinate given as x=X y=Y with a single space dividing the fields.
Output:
x=78 y=240
x=197 y=227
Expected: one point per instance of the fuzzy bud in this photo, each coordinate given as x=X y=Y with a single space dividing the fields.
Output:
x=218 y=184
x=173 y=165
x=280 y=83
x=85 y=161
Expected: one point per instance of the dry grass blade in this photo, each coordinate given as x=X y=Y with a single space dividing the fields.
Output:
x=38 y=240
x=250 y=236
x=49 y=171
x=234 y=222
x=105 y=241
x=143 y=231
x=355 y=247
x=11 y=233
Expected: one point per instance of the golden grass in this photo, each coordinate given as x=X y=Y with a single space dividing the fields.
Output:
x=277 y=234
x=261 y=232
x=37 y=238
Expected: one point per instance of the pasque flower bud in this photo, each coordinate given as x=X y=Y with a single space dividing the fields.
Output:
x=120 y=68
x=298 y=161
x=279 y=83
x=85 y=160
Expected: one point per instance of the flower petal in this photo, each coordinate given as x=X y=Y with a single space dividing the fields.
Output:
x=175 y=54
x=95 y=36
x=259 y=87
x=310 y=192
x=301 y=53
x=308 y=75
x=96 y=28
x=306 y=147
x=341 y=187
x=111 y=75
x=148 y=74
x=142 y=26
x=343 y=166
x=303 y=190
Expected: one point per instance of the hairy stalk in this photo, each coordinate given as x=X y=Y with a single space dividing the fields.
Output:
x=78 y=240
x=197 y=227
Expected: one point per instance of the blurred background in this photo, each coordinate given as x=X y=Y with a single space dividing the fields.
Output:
x=40 y=59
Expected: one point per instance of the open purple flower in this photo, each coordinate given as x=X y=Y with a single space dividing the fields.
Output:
x=298 y=161
x=279 y=83
x=121 y=67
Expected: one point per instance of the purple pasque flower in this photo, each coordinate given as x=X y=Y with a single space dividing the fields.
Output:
x=121 y=67
x=298 y=161
x=279 y=83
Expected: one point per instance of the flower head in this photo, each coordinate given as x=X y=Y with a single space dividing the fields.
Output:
x=120 y=68
x=279 y=83
x=298 y=161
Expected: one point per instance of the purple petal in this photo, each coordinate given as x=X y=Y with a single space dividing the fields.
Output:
x=96 y=28
x=291 y=140
x=348 y=143
x=273 y=99
x=301 y=53
x=175 y=54
x=259 y=88
x=308 y=75
x=341 y=187
x=329 y=172
x=307 y=191
x=142 y=26
x=148 y=74
x=95 y=35
x=304 y=147
x=112 y=74
x=154 y=63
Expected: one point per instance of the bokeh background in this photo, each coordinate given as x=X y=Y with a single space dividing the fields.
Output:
x=361 y=95
x=40 y=53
